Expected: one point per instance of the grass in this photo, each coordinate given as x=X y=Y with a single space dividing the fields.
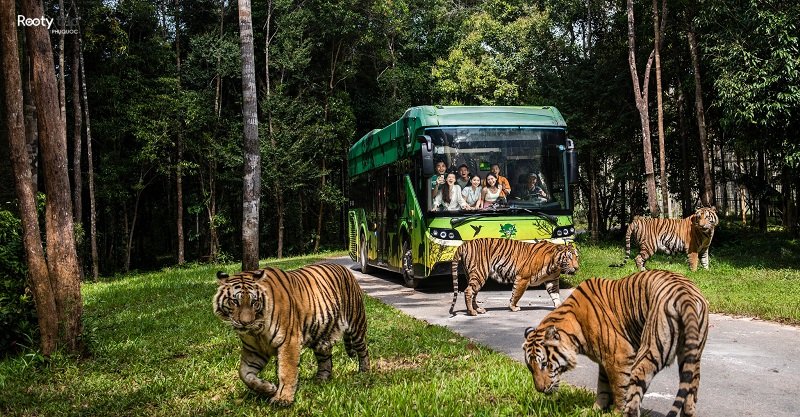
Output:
x=751 y=274
x=156 y=349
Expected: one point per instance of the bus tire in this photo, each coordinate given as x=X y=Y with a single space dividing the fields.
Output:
x=362 y=256
x=407 y=267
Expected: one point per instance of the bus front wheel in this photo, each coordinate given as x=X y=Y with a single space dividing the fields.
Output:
x=407 y=267
x=362 y=256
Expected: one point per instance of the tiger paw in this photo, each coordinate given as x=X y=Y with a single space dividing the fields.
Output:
x=514 y=308
x=480 y=310
x=281 y=401
x=631 y=410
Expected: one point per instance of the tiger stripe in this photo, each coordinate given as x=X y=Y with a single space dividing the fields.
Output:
x=276 y=313
x=510 y=261
x=632 y=328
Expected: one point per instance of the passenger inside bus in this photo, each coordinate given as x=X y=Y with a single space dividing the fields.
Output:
x=437 y=180
x=533 y=190
x=449 y=197
x=491 y=192
x=463 y=176
x=505 y=187
x=473 y=193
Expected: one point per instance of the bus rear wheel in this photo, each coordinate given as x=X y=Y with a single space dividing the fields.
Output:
x=408 y=268
x=362 y=256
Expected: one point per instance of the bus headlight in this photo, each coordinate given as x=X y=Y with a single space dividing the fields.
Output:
x=564 y=231
x=447 y=234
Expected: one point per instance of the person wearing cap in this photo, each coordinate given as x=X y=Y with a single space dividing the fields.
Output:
x=534 y=191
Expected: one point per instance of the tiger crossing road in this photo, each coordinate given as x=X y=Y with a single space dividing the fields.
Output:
x=749 y=367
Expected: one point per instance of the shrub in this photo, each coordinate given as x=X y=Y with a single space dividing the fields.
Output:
x=18 y=325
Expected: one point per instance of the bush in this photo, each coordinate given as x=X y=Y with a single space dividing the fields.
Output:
x=18 y=325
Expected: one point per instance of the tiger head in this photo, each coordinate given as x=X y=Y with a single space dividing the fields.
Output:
x=547 y=357
x=705 y=219
x=239 y=301
x=567 y=258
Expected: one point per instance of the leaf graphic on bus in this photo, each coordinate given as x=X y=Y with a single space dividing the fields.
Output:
x=508 y=230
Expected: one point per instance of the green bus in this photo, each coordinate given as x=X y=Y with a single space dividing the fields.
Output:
x=393 y=222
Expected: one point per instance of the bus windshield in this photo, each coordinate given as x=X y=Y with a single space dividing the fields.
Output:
x=529 y=160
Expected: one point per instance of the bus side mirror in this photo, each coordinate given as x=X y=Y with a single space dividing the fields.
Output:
x=572 y=163
x=427 y=154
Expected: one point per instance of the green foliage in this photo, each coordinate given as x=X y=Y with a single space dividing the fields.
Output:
x=754 y=48
x=494 y=61
x=17 y=312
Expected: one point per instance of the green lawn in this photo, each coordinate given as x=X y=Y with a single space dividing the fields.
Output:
x=158 y=350
x=751 y=274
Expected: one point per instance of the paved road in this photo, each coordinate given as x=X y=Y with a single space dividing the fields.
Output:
x=749 y=367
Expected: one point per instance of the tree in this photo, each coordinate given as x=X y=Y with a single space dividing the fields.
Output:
x=61 y=252
x=41 y=286
x=179 y=145
x=89 y=158
x=641 y=95
x=252 y=156
x=752 y=49
x=659 y=24
x=707 y=194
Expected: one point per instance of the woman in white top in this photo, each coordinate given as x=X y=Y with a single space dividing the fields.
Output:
x=491 y=192
x=450 y=197
x=473 y=193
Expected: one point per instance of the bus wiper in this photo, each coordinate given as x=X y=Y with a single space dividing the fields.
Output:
x=549 y=217
x=458 y=221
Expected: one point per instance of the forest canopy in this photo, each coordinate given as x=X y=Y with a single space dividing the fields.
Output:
x=164 y=95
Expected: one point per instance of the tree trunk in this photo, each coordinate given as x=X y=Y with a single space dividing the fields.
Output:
x=77 y=133
x=279 y=203
x=62 y=96
x=594 y=207
x=659 y=25
x=129 y=247
x=179 y=144
x=31 y=123
x=90 y=167
x=641 y=94
x=763 y=203
x=686 y=194
x=61 y=253
x=252 y=154
x=707 y=189
x=38 y=274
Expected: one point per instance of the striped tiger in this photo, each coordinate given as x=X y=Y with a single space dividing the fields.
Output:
x=511 y=261
x=276 y=313
x=691 y=235
x=632 y=327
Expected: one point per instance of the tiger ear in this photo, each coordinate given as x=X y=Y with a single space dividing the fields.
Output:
x=258 y=274
x=222 y=276
x=529 y=330
x=551 y=334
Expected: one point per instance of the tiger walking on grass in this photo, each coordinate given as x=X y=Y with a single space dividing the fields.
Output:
x=276 y=313
x=691 y=235
x=510 y=261
x=632 y=328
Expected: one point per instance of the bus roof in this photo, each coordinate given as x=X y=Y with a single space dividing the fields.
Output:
x=383 y=146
